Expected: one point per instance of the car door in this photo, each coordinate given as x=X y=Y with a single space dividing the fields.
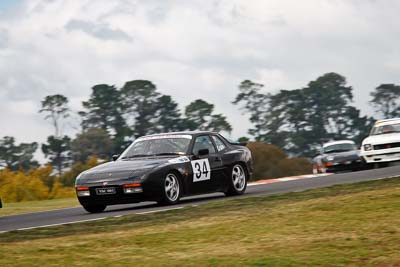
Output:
x=206 y=167
x=221 y=178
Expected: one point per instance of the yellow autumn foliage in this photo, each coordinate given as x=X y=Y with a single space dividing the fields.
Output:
x=20 y=186
x=40 y=183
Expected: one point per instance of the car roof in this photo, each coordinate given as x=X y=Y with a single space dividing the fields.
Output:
x=194 y=133
x=387 y=122
x=338 y=142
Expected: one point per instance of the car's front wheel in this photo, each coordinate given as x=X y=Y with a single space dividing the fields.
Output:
x=237 y=181
x=172 y=190
x=94 y=208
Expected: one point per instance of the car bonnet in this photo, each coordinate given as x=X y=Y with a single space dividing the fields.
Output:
x=121 y=169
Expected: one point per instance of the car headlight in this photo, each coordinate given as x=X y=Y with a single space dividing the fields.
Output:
x=82 y=191
x=132 y=188
x=330 y=158
x=368 y=147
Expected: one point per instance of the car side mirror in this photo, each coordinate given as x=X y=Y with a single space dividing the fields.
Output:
x=115 y=157
x=203 y=152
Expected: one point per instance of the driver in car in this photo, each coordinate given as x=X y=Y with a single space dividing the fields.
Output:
x=388 y=129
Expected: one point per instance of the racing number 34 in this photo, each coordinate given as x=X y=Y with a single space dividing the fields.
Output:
x=201 y=170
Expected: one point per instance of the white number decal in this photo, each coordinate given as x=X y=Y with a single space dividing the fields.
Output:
x=201 y=170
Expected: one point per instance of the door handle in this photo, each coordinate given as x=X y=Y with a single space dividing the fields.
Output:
x=218 y=159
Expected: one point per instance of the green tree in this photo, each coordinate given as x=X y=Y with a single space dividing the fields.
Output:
x=58 y=151
x=148 y=111
x=330 y=109
x=105 y=110
x=56 y=107
x=140 y=98
x=255 y=104
x=92 y=142
x=16 y=157
x=168 y=116
x=386 y=100
x=199 y=116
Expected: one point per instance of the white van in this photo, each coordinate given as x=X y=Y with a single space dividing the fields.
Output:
x=383 y=142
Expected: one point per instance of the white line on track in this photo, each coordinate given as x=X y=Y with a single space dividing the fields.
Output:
x=389 y=177
x=25 y=213
x=57 y=224
x=154 y=211
x=254 y=184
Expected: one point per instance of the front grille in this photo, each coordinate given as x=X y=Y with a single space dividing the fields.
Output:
x=119 y=198
x=386 y=146
x=119 y=194
x=341 y=159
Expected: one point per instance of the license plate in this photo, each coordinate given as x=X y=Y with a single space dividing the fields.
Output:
x=347 y=162
x=106 y=191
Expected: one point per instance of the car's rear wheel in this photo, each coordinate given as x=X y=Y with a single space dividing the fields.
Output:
x=172 y=190
x=94 y=208
x=237 y=181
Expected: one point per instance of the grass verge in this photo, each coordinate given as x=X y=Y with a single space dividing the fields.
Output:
x=345 y=225
x=36 y=206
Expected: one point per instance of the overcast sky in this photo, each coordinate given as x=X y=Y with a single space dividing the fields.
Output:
x=189 y=49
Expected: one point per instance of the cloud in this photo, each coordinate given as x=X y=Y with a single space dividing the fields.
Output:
x=3 y=38
x=189 y=49
x=101 y=31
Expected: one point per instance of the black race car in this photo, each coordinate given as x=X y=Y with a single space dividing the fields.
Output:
x=166 y=167
x=337 y=156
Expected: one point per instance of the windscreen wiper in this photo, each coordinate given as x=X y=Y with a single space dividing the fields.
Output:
x=336 y=151
x=169 y=153
x=136 y=156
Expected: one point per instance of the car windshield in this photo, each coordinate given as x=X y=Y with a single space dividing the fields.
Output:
x=339 y=148
x=158 y=146
x=385 y=129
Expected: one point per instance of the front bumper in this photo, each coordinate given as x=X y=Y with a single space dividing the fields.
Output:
x=119 y=197
x=345 y=166
x=381 y=155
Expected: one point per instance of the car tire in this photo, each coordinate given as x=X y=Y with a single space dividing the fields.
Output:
x=171 y=192
x=94 y=208
x=237 y=180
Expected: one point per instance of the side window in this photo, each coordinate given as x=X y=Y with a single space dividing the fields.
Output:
x=220 y=145
x=203 y=142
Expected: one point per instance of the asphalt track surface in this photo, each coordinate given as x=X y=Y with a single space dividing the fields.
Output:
x=78 y=214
